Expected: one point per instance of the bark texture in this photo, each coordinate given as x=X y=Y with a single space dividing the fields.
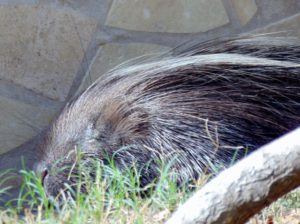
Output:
x=243 y=190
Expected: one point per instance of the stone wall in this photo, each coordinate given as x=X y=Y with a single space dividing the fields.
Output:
x=53 y=49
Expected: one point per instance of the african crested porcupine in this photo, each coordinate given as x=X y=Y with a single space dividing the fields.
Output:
x=200 y=106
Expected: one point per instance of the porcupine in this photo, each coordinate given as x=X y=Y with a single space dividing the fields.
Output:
x=202 y=105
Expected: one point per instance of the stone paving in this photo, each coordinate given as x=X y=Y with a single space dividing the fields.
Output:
x=52 y=50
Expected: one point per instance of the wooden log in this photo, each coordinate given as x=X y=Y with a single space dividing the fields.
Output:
x=244 y=189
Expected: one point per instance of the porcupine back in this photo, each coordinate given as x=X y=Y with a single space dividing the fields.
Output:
x=197 y=107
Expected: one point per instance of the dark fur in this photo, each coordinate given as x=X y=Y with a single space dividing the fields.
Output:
x=191 y=113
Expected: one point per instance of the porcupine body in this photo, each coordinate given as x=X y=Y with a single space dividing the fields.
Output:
x=201 y=106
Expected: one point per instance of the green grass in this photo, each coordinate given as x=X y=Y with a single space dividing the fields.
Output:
x=115 y=197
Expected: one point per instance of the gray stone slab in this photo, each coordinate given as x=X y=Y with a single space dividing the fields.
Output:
x=245 y=10
x=286 y=27
x=42 y=47
x=91 y=8
x=117 y=54
x=276 y=8
x=19 y=122
x=174 y=16
x=14 y=2
x=19 y=93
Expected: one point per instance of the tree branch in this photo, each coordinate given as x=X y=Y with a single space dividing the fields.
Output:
x=244 y=189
